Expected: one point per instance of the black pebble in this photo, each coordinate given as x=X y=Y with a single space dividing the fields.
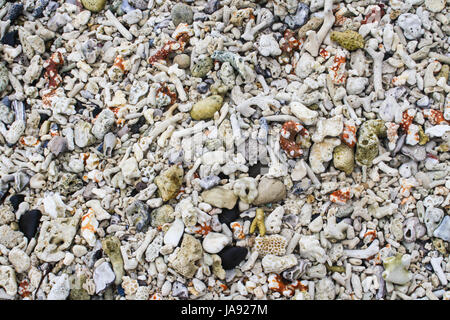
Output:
x=227 y=216
x=203 y=87
x=232 y=256
x=96 y=111
x=16 y=200
x=254 y=170
x=29 y=223
x=44 y=117
x=140 y=186
x=11 y=38
x=135 y=127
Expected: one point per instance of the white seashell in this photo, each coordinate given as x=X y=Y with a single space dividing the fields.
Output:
x=175 y=232
x=103 y=276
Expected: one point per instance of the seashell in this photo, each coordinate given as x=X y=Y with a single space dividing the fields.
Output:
x=443 y=230
x=413 y=229
x=174 y=233
x=179 y=290
x=343 y=158
x=29 y=223
x=82 y=134
x=103 y=276
x=214 y=242
x=232 y=256
x=4 y=80
x=274 y=220
x=288 y=138
x=296 y=271
x=109 y=143
x=21 y=180
x=54 y=206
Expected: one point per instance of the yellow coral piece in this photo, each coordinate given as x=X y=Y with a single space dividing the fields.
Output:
x=349 y=39
x=258 y=222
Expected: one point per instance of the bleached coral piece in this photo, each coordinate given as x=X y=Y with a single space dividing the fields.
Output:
x=322 y=152
x=331 y=127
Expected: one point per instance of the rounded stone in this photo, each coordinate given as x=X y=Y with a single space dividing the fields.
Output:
x=181 y=13
x=435 y=5
x=16 y=200
x=182 y=60
x=270 y=190
x=94 y=5
x=201 y=67
x=205 y=109
x=29 y=223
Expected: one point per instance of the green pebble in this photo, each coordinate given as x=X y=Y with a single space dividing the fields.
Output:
x=201 y=67
x=367 y=146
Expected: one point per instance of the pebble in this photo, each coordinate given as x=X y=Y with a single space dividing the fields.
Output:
x=232 y=256
x=29 y=223
x=181 y=13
